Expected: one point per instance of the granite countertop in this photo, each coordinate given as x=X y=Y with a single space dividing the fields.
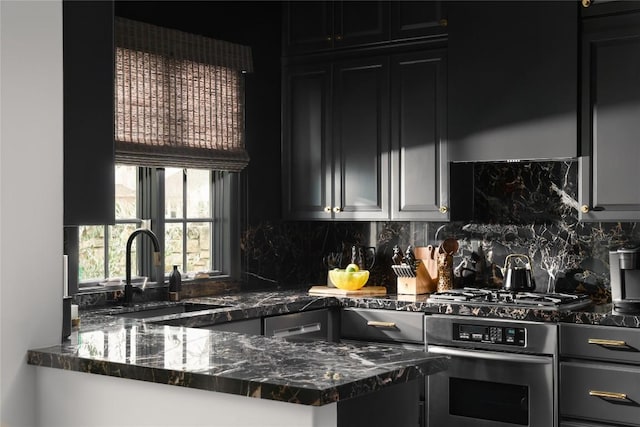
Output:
x=310 y=372
x=171 y=349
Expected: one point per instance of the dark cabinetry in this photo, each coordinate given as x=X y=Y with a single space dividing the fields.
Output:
x=599 y=375
x=88 y=62
x=320 y=25
x=335 y=144
x=304 y=325
x=311 y=26
x=610 y=112
x=419 y=163
x=513 y=79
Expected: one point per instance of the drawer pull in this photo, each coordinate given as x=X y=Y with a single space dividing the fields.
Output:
x=607 y=343
x=379 y=324
x=608 y=395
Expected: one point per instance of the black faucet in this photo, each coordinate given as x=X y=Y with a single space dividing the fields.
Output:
x=128 y=288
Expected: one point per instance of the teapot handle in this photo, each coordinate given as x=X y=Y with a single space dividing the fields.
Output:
x=528 y=264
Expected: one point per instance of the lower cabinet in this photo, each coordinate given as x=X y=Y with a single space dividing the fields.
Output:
x=599 y=376
x=405 y=404
x=400 y=327
x=304 y=325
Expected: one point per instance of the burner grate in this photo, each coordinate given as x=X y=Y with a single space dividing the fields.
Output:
x=501 y=296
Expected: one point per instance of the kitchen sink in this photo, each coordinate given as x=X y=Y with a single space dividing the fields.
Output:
x=166 y=311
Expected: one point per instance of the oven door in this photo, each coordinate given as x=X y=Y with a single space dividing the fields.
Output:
x=484 y=388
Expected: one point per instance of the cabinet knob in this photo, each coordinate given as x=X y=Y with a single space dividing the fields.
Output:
x=586 y=3
x=327 y=209
x=443 y=22
x=338 y=37
x=337 y=209
x=328 y=38
x=584 y=209
x=444 y=209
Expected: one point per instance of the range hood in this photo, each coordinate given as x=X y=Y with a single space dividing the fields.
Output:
x=512 y=192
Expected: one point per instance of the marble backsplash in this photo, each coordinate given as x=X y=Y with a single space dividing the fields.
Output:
x=527 y=208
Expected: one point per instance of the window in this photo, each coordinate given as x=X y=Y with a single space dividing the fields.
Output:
x=194 y=219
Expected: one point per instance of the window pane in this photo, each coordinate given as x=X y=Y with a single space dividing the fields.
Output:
x=126 y=191
x=118 y=236
x=172 y=247
x=173 y=179
x=198 y=193
x=198 y=246
x=91 y=252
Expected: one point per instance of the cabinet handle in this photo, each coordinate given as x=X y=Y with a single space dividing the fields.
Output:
x=443 y=209
x=584 y=209
x=607 y=343
x=337 y=209
x=443 y=22
x=379 y=324
x=586 y=3
x=327 y=209
x=608 y=395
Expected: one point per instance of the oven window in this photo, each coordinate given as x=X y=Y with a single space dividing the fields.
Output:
x=507 y=403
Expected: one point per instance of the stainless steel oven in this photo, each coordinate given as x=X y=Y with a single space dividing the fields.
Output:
x=501 y=373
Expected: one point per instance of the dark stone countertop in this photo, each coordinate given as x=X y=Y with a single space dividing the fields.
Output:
x=309 y=373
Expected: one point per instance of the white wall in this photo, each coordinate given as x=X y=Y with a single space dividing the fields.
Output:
x=30 y=197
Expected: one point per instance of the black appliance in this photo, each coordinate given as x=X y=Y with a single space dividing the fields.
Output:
x=624 y=266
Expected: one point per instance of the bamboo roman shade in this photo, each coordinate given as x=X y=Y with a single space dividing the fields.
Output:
x=179 y=98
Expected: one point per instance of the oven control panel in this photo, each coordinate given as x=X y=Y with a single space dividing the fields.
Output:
x=505 y=335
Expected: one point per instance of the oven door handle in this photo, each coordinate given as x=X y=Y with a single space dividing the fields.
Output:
x=490 y=355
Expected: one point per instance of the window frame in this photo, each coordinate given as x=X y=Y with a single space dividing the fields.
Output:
x=225 y=250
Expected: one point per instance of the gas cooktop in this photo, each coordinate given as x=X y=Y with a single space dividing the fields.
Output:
x=485 y=296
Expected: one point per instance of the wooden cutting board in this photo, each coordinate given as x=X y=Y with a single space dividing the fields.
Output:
x=367 y=290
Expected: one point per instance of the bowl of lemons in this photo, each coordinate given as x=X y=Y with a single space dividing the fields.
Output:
x=350 y=278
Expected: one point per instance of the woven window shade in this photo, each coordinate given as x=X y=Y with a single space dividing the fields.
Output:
x=179 y=98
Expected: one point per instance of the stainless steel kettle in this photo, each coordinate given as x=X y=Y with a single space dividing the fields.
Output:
x=517 y=273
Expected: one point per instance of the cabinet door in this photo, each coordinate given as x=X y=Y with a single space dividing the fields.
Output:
x=308 y=26
x=419 y=166
x=306 y=161
x=320 y=25
x=89 y=186
x=610 y=113
x=411 y=19
x=360 y=22
x=513 y=78
x=361 y=139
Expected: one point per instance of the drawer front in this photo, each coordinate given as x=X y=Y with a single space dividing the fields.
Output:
x=600 y=342
x=599 y=392
x=305 y=325
x=381 y=325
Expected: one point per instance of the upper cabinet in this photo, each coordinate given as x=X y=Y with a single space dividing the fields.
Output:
x=89 y=188
x=419 y=164
x=321 y=25
x=418 y=19
x=610 y=116
x=513 y=80
x=335 y=140
x=316 y=26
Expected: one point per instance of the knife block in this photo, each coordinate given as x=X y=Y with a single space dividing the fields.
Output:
x=423 y=283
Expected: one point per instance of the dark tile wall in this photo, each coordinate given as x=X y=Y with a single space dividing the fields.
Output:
x=527 y=208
